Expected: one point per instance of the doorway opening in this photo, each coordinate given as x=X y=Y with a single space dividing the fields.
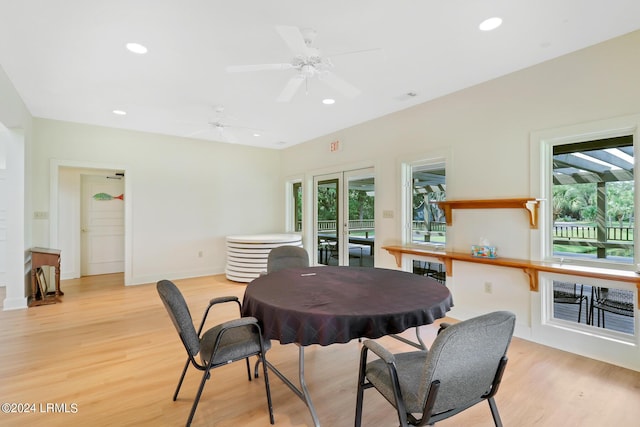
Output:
x=344 y=214
x=109 y=244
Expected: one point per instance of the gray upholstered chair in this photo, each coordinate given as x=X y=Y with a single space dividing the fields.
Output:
x=287 y=257
x=463 y=367
x=222 y=344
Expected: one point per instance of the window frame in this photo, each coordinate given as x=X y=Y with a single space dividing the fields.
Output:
x=408 y=168
x=542 y=144
x=291 y=204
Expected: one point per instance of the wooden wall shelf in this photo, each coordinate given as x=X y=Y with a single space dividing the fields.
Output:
x=530 y=204
x=530 y=268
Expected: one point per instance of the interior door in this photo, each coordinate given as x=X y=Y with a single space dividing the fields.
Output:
x=102 y=212
x=344 y=218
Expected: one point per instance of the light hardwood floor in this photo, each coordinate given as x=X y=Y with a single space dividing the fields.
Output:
x=111 y=354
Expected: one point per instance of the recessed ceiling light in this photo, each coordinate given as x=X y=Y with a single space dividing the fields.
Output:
x=137 y=48
x=119 y=112
x=256 y=134
x=490 y=24
x=328 y=101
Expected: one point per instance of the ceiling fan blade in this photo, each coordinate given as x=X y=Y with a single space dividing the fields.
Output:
x=345 y=88
x=291 y=88
x=355 y=52
x=257 y=67
x=228 y=136
x=196 y=133
x=223 y=132
x=295 y=40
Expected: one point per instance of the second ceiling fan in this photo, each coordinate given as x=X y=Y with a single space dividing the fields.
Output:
x=307 y=61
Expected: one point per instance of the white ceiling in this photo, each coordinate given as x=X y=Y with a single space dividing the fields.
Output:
x=68 y=61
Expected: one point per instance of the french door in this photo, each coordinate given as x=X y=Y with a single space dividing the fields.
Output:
x=344 y=221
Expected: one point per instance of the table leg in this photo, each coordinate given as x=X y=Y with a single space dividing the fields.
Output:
x=58 y=290
x=419 y=345
x=34 y=289
x=303 y=385
x=302 y=394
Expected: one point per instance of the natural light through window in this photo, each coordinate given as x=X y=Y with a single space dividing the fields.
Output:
x=593 y=201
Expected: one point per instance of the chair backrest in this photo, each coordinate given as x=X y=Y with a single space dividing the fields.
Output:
x=465 y=358
x=287 y=257
x=179 y=312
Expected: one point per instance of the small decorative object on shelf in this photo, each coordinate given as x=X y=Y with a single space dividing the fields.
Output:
x=484 y=251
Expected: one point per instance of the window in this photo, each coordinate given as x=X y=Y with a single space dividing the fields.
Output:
x=593 y=196
x=424 y=220
x=593 y=192
x=584 y=177
x=428 y=224
x=297 y=205
x=293 y=203
x=610 y=309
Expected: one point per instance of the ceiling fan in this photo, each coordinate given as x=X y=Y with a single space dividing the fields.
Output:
x=307 y=62
x=223 y=129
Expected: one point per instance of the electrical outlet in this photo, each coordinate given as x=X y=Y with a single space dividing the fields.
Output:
x=488 y=287
x=199 y=254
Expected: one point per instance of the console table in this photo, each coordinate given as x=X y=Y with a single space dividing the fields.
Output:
x=41 y=257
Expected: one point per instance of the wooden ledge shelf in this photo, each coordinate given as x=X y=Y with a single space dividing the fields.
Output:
x=530 y=268
x=530 y=204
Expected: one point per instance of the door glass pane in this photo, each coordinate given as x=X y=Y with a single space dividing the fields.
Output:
x=361 y=222
x=327 y=226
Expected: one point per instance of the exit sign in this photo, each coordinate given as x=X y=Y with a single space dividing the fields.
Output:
x=335 y=146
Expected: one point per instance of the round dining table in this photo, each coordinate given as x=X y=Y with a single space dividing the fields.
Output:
x=327 y=304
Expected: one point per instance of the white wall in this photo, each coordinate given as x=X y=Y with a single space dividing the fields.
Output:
x=4 y=201
x=15 y=125
x=184 y=196
x=485 y=132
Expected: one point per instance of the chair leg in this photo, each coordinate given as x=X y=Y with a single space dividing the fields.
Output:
x=586 y=311
x=205 y=377
x=184 y=371
x=579 y=311
x=256 y=370
x=360 y=392
x=359 y=398
x=267 y=387
x=248 y=369
x=494 y=412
